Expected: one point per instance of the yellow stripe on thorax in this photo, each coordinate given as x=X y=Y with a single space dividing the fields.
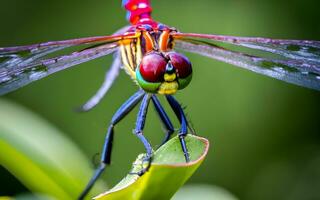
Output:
x=131 y=54
x=126 y=64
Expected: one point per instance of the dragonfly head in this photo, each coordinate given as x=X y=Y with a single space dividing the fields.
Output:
x=164 y=72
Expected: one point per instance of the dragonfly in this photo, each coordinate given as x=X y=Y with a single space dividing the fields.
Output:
x=149 y=52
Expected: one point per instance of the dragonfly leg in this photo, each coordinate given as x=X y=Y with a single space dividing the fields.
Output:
x=184 y=124
x=164 y=118
x=139 y=132
x=110 y=77
x=107 y=147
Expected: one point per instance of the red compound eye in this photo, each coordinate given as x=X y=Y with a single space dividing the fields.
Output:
x=181 y=64
x=153 y=67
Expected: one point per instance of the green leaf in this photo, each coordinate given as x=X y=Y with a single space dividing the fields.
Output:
x=168 y=172
x=203 y=192
x=40 y=156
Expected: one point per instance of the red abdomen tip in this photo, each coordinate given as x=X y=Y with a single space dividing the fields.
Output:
x=137 y=10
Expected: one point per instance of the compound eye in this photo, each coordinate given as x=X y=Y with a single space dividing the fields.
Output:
x=153 y=67
x=181 y=63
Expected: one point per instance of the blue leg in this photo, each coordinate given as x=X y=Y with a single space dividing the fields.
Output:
x=107 y=147
x=139 y=131
x=164 y=118
x=184 y=124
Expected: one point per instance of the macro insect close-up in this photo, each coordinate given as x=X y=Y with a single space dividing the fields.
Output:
x=263 y=125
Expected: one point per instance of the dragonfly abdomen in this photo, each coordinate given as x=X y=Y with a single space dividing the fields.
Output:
x=139 y=11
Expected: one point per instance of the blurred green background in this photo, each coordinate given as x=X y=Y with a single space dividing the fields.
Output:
x=265 y=133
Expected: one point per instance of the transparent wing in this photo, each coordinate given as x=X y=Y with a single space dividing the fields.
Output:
x=294 y=49
x=297 y=72
x=298 y=63
x=17 y=73
x=110 y=77
x=35 y=48
x=24 y=64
